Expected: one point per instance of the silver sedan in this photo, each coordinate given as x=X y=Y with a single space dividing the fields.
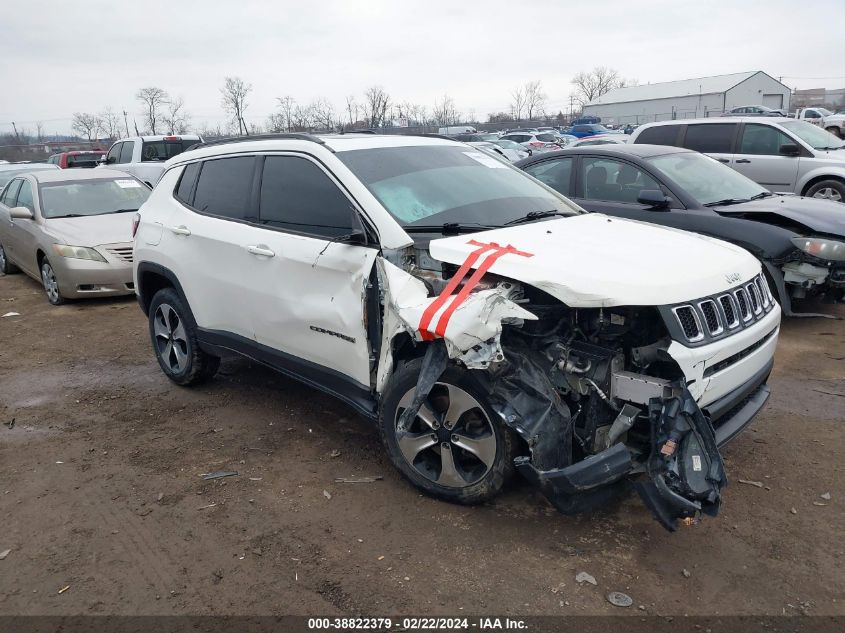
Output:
x=71 y=230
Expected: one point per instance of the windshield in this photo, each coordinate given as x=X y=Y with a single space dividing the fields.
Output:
x=704 y=178
x=91 y=197
x=813 y=135
x=433 y=185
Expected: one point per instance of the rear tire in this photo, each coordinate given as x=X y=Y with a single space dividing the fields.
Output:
x=835 y=131
x=828 y=190
x=6 y=267
x=457 y=449
x=174 y=337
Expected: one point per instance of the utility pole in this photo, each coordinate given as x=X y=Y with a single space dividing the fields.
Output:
x=126 y=122
x=17 y=136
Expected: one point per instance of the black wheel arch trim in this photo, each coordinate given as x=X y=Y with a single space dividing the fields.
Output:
x=145 y=298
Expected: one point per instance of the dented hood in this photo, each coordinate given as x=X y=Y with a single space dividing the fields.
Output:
x=593 y=260
x=808 y=216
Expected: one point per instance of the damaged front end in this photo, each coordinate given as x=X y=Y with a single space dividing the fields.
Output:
x=594 y=394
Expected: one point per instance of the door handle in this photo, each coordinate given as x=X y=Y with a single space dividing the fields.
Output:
x=723 y=160
x=180 y=230
x=743 y=160
x=260 y=249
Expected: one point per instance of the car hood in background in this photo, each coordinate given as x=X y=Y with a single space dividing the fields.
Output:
x=593 y=260
x=112 y=228
x=803 y=215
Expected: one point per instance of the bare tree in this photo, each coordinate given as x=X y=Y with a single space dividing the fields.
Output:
x=535 y=99
x=152 y=101
x=235 y=92
x=445 y=112
x=376 y=103
x=175 y=119
x=110 y=123
x=287 y=104
x=302 y=118
x=351 y=109
x=323 y=114
x=499 y=117
x=85 y=124
x=517 y=103
x=591 y=85
x=276 y=123
x=39 y=130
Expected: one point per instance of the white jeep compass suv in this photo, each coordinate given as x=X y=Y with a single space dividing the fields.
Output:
x=487 y=323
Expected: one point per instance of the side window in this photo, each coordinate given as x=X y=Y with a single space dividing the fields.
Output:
x=12 y=192
x=126 y=152
x=185 y=188
x=660 y=135
x=298 y=196
x=224 y=186
x=114 y=153
x=716 y=138
x=812 y=114
x=614 y=181
x=762 y=139
x=557 y=174
x=25 y=196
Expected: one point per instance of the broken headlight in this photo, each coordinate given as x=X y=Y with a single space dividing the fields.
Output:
x=823 y=248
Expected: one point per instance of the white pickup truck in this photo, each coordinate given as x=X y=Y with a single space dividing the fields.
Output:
x=835 y=124
x=144 y=156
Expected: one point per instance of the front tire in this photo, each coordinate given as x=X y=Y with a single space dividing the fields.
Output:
x=51 y=283
x=828 y=190
x=174 y=338
x=456 y=449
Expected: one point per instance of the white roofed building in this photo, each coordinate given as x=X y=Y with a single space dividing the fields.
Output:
x=689 y=98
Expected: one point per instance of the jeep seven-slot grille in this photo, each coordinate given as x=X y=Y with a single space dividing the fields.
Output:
x=710 y=318
x=731 y=318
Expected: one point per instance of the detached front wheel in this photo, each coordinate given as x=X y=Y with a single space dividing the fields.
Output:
x=174 y=338
x=456 y=448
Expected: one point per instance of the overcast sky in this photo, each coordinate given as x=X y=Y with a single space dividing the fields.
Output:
x=59 y=57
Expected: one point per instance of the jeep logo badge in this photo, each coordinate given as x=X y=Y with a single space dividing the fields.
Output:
x=732 y=278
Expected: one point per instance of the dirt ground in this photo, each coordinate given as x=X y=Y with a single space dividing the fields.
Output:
x=100 y=491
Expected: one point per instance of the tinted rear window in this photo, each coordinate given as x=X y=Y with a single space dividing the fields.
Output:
x=162 y=150
x=224 y=186
x=659 y=135
x=185 y=190
x=714 y=138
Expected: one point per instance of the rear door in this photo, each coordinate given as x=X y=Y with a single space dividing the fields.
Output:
x=308 y=291
x=9 y=231
x=204 y=235
x=714 y=139
x=758 y=157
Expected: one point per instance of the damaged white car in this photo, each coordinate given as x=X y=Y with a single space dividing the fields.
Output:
x=484 y=321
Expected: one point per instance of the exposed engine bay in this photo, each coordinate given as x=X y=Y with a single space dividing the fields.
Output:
x=598 y=402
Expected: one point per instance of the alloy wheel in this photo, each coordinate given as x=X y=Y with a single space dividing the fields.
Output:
x=828 y=193
x=451 y=442
x=51 y=285
x=171 y=340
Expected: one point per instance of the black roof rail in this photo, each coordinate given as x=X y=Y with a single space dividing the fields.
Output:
x=298 y=136
x=443 y=136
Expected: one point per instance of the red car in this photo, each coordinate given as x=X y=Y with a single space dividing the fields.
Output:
x=66 y=160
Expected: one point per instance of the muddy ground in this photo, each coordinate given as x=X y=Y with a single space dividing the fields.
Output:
x=100 y=492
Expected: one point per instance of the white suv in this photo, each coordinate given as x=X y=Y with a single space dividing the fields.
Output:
x=483 y=320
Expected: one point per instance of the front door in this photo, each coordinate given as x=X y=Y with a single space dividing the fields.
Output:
x=309 y=291
x=758 y=157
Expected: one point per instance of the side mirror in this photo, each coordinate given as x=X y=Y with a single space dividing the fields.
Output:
x=654 y=198
x=357 y=234
x=20 y=213
x=103 y=160
x=790 y=149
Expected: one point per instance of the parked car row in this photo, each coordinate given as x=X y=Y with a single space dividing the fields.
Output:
x=474 y=311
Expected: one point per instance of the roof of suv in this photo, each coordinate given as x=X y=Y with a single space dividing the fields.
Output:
x=332 y=142
x=721 y=119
